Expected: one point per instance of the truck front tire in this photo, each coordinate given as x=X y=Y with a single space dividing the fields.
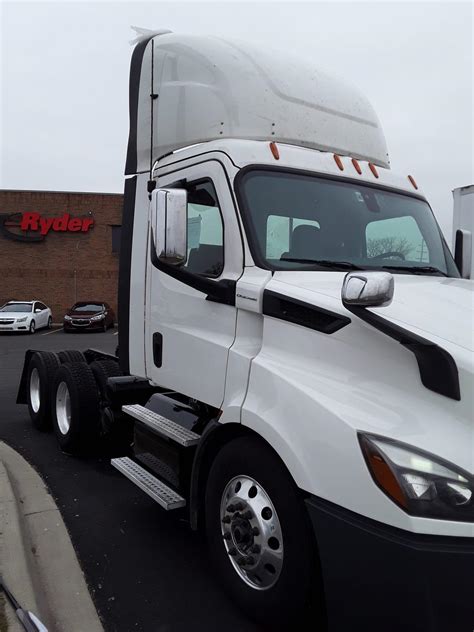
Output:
x=41 y=371
x=259 y=536
x=75 y=407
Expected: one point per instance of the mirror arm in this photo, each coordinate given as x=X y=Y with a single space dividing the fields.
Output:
x=438 y=370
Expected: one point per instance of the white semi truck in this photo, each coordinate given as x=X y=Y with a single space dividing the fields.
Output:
x=295 y=362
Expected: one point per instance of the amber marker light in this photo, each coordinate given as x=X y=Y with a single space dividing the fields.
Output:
x=382 y=473
x=274 y=150
x=338 y=162
x=356 y=166
x=373 y=169
x=412 y=180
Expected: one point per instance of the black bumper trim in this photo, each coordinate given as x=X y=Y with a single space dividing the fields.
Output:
x=378 y=577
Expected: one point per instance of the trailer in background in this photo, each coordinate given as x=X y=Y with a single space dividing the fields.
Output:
x=463 y=223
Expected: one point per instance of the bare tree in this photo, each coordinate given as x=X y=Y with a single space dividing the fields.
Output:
x=379 y=246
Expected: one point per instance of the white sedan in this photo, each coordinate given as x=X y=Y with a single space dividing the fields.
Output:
x=26 y=316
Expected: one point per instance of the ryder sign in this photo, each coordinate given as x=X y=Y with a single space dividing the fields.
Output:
x=35 y=227
x=64 y=223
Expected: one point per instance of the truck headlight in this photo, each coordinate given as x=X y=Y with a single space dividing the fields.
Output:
x=99 y=317
x=22 y=320
x=420 y=483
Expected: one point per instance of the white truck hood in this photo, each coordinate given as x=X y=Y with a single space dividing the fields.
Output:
x=437 y=308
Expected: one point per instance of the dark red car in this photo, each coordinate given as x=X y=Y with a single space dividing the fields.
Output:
x=88 y=315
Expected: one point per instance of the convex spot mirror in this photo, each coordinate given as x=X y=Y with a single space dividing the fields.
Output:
x=169 y=222
x=367 y=289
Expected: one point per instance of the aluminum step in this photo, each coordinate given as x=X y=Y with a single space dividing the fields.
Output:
x=162 y=426
x=159 y=491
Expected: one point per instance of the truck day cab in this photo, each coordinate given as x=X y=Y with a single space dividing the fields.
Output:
x=296 y=346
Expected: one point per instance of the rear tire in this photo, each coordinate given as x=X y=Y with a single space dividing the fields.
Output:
x=71 y=355
x=41 y=371
x=102 y=370
x=75 y=408
x=275 y=581
x=50 y=322
x=116 y=430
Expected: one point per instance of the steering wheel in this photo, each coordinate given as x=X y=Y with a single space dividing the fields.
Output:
x=387 y=255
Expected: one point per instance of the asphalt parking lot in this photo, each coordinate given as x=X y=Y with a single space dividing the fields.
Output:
x=147 y=571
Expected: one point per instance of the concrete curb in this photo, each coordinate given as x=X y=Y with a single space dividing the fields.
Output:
x=37 y=559
x=15 y=563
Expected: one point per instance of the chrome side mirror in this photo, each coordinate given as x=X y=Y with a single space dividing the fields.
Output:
x=169 y=223
x=463 y=252
x=367 y=289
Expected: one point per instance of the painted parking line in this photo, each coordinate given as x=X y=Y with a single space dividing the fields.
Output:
x=52 y=331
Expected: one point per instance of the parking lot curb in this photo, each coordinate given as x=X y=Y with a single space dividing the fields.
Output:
x=37 y=559
x=15 y=563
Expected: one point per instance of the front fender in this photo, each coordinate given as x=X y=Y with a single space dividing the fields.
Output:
x=310 y=394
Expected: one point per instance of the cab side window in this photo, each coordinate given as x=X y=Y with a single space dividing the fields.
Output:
x=205 y=230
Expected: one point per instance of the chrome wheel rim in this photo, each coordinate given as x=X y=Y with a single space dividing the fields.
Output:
x=63 y=408
x=35 y=397
x=251 y=532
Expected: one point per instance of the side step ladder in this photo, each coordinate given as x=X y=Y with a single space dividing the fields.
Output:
x=162 y=426
x=156 y=489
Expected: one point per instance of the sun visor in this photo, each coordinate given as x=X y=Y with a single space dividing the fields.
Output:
x=187 y=89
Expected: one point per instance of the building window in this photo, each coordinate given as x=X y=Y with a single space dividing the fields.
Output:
x=116 y=232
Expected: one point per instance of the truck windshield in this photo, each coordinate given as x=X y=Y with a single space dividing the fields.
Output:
x=299 y=221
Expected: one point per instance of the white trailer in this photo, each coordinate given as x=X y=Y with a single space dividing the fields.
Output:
x=295 y=363
x=463 y=228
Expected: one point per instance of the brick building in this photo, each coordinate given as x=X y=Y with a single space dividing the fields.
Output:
x=59 y=247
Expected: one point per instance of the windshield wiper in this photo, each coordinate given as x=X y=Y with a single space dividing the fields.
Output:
x=417 y=269
x=326 y=263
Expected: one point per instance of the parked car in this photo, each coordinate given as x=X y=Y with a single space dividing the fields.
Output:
x=89 y=315
x=25 y=316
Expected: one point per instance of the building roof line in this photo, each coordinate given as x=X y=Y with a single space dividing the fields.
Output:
x=57 y=192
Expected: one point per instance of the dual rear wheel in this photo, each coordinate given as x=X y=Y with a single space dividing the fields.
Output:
x=68 y=395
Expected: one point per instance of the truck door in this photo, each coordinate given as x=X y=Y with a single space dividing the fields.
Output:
x=188 y=331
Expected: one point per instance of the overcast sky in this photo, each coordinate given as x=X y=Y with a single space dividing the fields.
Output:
x=64 y=81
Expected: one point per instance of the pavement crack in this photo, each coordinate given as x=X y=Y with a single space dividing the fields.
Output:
x=33 y=513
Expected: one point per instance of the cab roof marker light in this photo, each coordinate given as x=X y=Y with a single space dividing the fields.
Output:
x=412 y=180
x=373 y=168
x=338 y=162
x=274 y=150
x=356 y=166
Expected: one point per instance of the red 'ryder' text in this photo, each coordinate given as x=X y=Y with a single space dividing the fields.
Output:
x=65 y=223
